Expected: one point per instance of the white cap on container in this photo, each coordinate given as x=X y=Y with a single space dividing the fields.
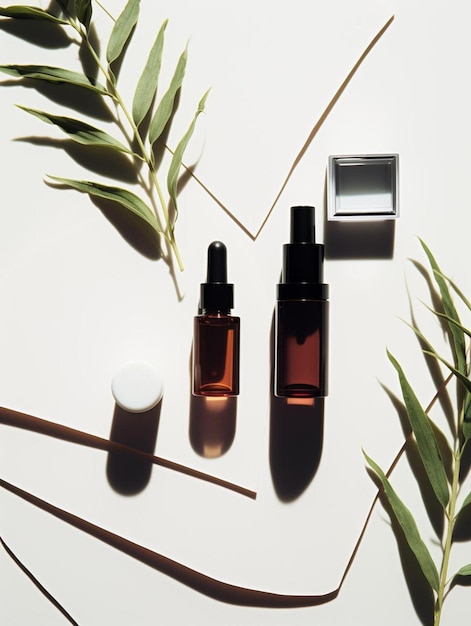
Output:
x=137 y=386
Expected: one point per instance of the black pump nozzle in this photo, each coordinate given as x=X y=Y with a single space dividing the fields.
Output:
x=303 y=228
x=217 y=294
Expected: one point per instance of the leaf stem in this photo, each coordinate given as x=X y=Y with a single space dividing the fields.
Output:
x=451 y=518
x=105 y=10
x=443 y=589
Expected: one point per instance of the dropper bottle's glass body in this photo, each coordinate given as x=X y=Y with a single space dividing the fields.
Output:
x=216 y=354
x=216 y=335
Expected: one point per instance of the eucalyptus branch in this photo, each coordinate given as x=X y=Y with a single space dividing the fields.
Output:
x=143 y=155
x=424 y=432
x=141 y=142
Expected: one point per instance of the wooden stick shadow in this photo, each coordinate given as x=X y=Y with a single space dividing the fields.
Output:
x=198 y=581
x=9 y=417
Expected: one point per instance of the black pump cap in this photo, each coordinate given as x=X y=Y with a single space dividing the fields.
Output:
x=303 y=259
x=216 y=293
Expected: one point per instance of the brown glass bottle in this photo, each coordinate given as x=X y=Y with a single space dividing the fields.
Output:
x=301 y=315
x=216 y=336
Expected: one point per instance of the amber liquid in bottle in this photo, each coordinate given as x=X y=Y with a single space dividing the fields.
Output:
x=301 y=330
x=216 y=355
x=216 y=333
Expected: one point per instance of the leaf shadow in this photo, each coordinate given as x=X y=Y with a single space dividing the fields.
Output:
x=462 y=581
x=420 y=591
x=87 y=61
x=42 y=34
x=84 y=101
x=462 y=529
x=432 y=506
x=52 y=36
x=185 y=177
x=99 y=160
x=465 y=462
x=133 y=229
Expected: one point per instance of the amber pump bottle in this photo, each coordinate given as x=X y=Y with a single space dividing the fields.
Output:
x=216 y=332
x=301 y=315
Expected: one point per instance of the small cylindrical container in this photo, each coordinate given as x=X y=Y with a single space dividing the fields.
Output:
x=216 y=336
x=301 y=314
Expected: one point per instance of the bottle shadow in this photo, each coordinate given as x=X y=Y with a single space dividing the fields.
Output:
x=127 y=473
x=212 y=421
x=212 y=425
x=296 y=439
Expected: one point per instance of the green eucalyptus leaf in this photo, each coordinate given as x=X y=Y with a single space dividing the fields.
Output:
x=451 y=321
x=125 y=198
x=24 y=12
x=467 y=501
x=165 y=108
x=456 y=289
x=408 y=525
x=420 y=335
x=53 y=75
x=83 y=11
x=459 y=344
x=465 y=381
x=148 y=82
x=79 y=131
x=175 y=164
x=463 y=572
x=122 y=30
x=426 y=443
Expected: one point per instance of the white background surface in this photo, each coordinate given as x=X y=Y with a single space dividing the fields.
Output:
x=78 y=300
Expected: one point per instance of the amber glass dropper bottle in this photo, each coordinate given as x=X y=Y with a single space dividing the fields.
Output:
x=216 y=335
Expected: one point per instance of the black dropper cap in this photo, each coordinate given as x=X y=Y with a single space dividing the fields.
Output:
x=216 y=293
x=303 y=259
